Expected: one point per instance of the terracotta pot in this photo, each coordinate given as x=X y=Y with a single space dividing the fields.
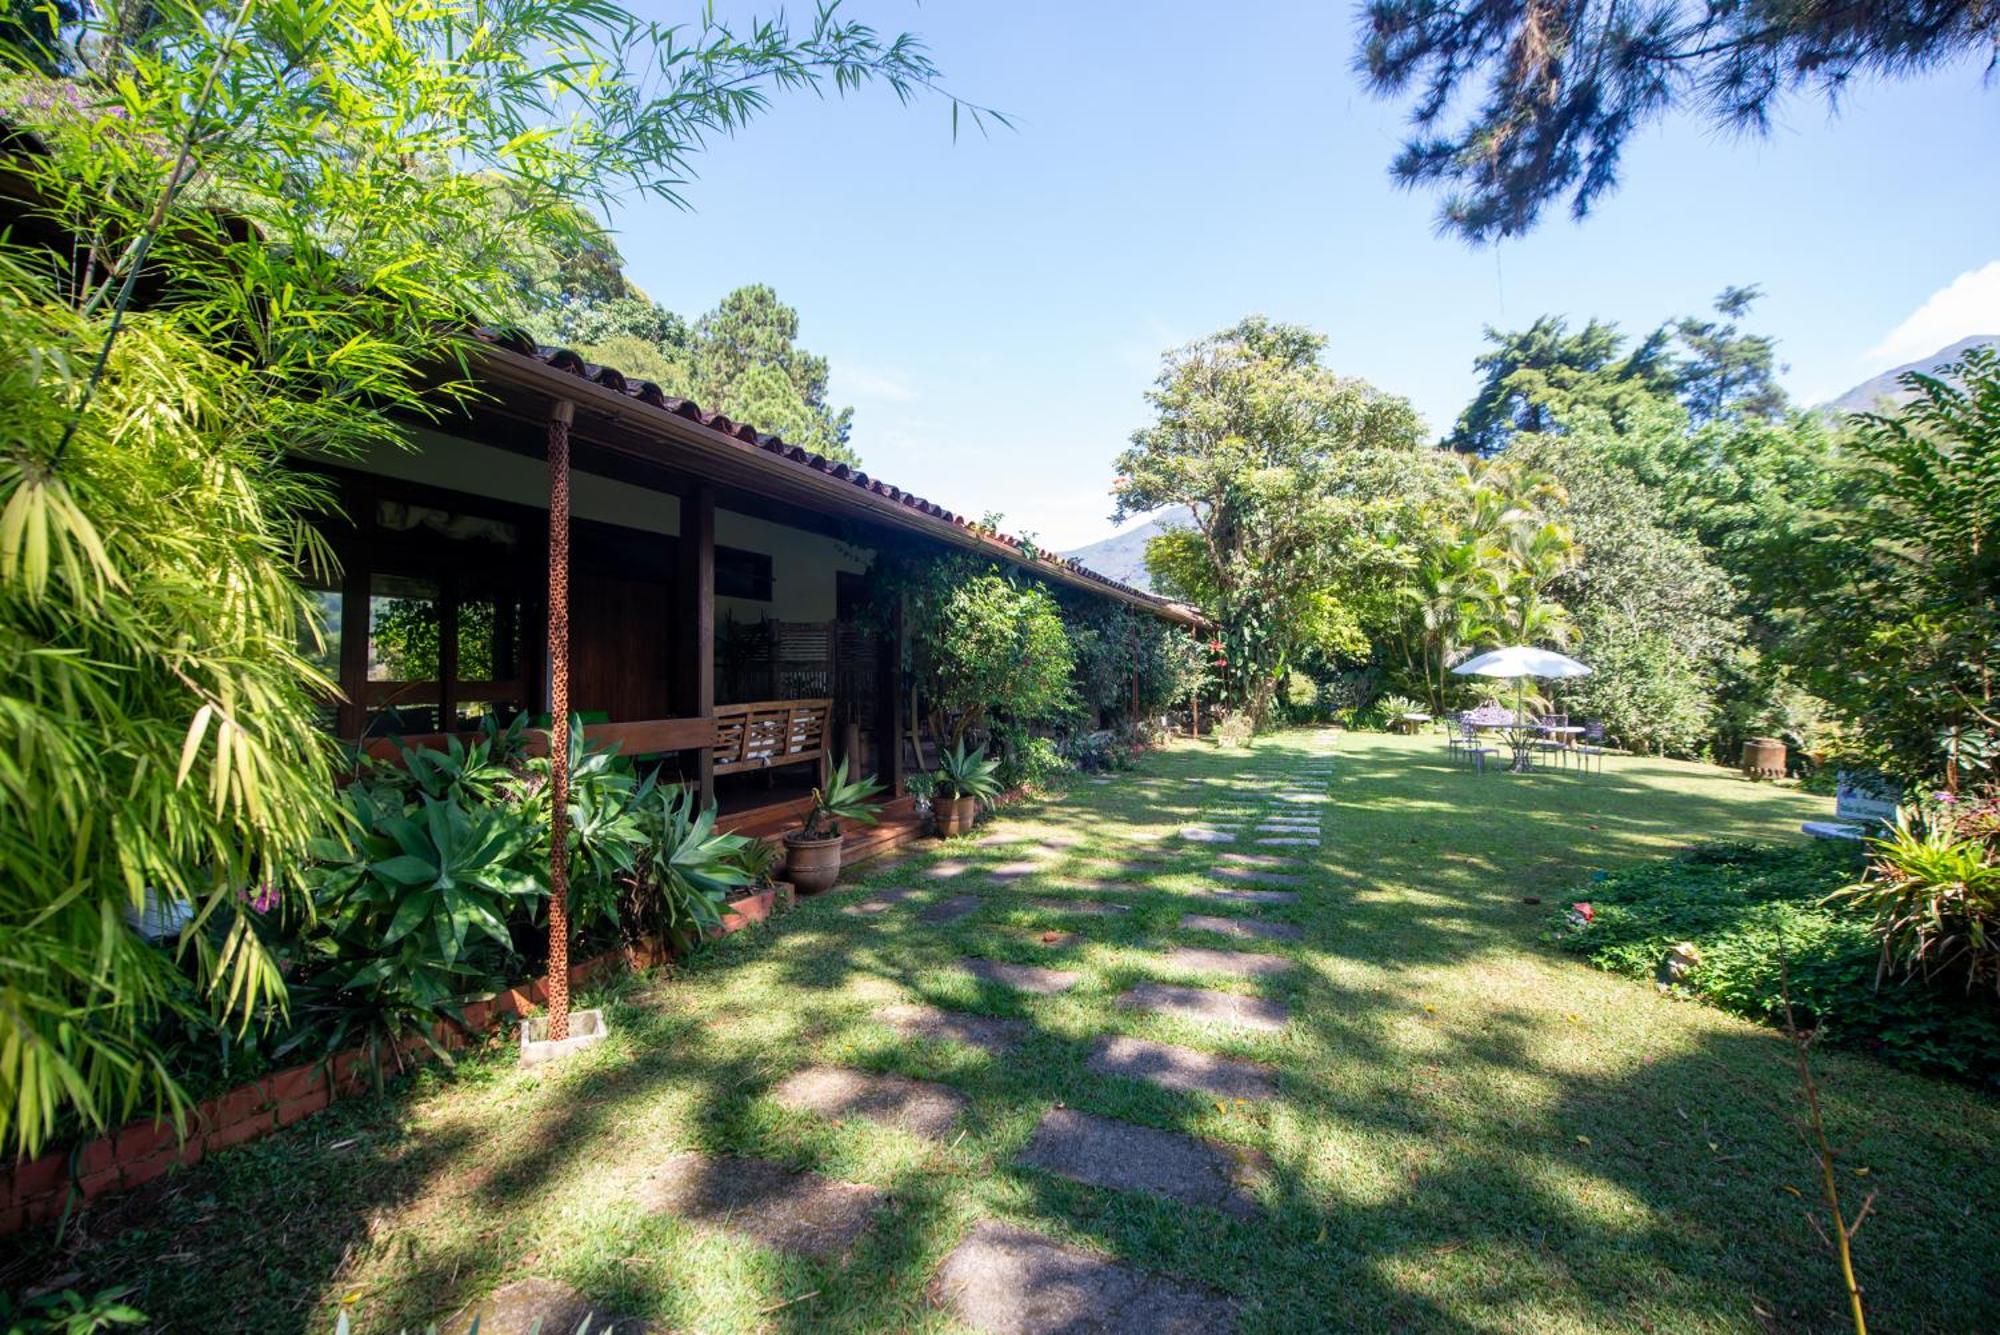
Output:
x=812 y=865
x=954 y=815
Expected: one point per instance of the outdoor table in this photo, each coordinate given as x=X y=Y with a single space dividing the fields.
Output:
x=1411 y=722
x=1564 y=733
x=1520 y=737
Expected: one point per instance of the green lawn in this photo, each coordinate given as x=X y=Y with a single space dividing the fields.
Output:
x=1473 y=1132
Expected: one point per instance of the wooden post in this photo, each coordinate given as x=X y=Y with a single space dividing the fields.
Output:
x=697 y=603
x=889 y=703
x=1194 y=696
x=561 y=412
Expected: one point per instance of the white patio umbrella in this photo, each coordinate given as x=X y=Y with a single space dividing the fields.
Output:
x=1521 y=661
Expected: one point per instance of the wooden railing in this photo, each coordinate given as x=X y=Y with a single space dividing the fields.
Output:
x=641 y=737
x=768 y=733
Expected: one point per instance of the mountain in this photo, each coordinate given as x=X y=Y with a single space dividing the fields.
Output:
x=1122 y=556
x=1864 y=396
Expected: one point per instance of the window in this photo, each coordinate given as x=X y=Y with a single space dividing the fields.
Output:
x=741 y=574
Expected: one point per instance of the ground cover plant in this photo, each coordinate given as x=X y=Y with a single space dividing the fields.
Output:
x=1767 y=919
x=1469 y=1130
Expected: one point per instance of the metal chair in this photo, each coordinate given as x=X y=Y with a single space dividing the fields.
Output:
x=1556 y=743
x=1592 y=745
x=1469 y=746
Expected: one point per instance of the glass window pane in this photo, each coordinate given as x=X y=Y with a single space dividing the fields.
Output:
x=403 y=628
x=489 y=638
x=319 y=637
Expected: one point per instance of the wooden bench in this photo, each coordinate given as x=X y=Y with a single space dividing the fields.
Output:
x=765 y=734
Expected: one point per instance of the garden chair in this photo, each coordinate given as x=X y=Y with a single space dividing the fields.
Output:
x=1592 y=745
x=1454 y=735
x=1469 y=746
x=1554 y=744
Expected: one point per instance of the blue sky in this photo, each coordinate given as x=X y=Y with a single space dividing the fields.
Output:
x=995 y=308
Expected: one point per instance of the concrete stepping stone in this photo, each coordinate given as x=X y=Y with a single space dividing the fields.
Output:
x=989 y=1033
x=1097 y=885
x=948 y=868
x=1308 y=828
x=1205 y=1007
x=1243 y=927
x=1226 y=895
x=1202 y=834
x=1237 y=963
x=949 y=911
x=916 y=1106
x=1254 y=876
x=538 y=1306
x=1096 y=908
x=880 y=901
x=1013 y=871
x=1184 y=1070
x=1259 y=859
x=793 y=1212
x=1105 y=1152
x=1286 y=841
x=1006 y=1280
x=1021 y=977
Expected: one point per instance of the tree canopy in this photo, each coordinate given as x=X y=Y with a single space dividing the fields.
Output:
x=1562 y=85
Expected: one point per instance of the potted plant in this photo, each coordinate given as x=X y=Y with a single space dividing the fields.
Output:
x=922 y=788
x=964 y=780
x=759 y=862
x=812 y=852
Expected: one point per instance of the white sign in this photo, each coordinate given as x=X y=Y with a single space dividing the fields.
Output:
x=1865 y=797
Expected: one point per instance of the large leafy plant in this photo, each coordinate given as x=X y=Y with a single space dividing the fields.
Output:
x=687 y=870
x=963 y=773
x=840 y=799
x=1932 y=891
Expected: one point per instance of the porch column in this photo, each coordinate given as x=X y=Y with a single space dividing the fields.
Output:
x=889 y=703
x=697 y=603
x=561 y=412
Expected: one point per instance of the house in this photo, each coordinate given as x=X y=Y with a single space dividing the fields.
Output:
x=699 y=593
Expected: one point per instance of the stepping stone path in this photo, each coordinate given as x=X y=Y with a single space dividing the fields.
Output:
x=1092 y=907
x=539 y=1306
x=1259 y=859
x=946 y=912
x=1104 y=1152
x=1203 y=1007
x=1183 y=1069
x=989 y=1033
x=881 y=901
x=1007 y=1280
x=915 y=1106
x=1238 y=964
x=1225 y=895
x=793 y=1212
x=1243 y=927
x=1021 y=977
x=1003 y=1277
x=1255 y=877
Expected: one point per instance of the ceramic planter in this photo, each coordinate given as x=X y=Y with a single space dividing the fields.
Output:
x=586 y=1030
x=812 y=865
x=954 y=815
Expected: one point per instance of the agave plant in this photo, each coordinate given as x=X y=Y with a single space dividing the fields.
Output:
x=841 y=799
x=1933 y=891
x=963 y=773
x=687 y=870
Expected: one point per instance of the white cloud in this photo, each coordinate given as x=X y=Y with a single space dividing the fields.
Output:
x=1969 y=304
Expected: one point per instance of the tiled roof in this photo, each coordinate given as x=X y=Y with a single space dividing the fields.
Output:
x=646 y=392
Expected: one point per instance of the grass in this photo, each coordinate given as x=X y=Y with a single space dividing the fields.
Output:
x=1473 y=1131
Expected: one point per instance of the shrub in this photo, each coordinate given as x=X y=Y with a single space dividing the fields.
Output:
x=1932 y=893
x=999 y=651
x=1036 y=760
x=1235 y=729
x=1749 y=910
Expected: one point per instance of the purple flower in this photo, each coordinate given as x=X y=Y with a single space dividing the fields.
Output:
x=263 y=899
